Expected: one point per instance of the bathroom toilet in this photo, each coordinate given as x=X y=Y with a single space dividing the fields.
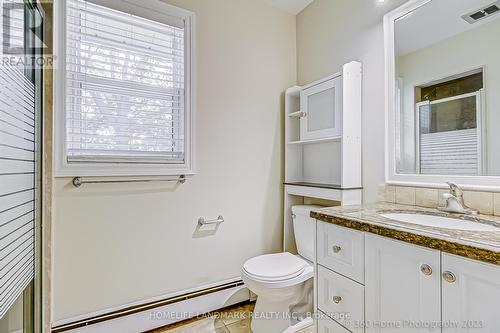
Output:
x=283 y=281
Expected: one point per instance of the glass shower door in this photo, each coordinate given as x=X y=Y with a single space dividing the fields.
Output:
x=20 y=164
x=450 y=136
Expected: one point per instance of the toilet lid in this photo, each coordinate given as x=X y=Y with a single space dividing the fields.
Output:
x=273 y=267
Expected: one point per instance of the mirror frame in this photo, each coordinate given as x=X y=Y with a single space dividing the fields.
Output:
x=478 y=183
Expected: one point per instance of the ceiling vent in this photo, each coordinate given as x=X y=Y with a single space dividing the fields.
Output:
x=482 y=13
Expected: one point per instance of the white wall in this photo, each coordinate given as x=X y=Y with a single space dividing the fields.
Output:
x=470 y=50
x=116 y=244
x=333 y=32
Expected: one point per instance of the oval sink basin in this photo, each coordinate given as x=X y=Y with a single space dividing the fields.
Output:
x=440 y=222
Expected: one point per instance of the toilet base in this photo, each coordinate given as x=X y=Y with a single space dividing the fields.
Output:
x=269 y=316
x=286 y=313
x=303 y=324
x=285 y=326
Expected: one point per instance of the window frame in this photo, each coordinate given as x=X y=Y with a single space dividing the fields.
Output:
x=150 y=10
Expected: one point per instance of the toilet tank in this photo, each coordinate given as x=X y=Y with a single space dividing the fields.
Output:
x=303 y=228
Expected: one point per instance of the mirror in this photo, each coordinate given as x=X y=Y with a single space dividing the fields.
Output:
x=446 y=88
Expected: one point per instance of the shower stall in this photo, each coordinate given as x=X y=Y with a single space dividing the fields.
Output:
x=21 y=69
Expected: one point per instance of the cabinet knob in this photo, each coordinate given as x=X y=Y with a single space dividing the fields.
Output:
x=449 y=277
x=426 y=269
x=337 y=299
x=336 y=249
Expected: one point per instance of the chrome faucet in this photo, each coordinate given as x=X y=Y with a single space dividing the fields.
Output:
x=455 y=201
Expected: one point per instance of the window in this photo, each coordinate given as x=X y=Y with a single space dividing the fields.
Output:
x=124 y=89
x=12 y=28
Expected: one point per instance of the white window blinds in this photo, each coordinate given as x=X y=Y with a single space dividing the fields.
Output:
x=125 y=90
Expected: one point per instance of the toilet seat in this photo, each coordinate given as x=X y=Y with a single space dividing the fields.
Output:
x=278 y=270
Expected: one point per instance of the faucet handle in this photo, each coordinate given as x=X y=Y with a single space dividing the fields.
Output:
x=455 y=189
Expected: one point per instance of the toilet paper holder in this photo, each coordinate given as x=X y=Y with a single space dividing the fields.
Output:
x=203 y=221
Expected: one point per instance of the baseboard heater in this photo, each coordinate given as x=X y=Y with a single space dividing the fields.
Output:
x=158 y=313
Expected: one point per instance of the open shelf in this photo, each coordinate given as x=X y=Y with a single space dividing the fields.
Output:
x=305 y=142
x=317 y=185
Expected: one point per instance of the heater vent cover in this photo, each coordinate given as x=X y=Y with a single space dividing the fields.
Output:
x=482 y=13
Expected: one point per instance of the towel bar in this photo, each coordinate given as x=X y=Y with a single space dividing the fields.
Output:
x=78 y=181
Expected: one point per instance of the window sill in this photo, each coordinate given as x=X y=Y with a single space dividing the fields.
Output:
x=121 y=170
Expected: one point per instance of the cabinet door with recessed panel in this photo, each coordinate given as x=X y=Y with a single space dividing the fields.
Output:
x=402 y=287
x=322 y=107
x=471 y=295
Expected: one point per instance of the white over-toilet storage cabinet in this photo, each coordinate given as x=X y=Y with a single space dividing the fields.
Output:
x=323 y=143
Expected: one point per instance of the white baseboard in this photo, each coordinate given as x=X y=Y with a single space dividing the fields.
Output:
x=168 y=314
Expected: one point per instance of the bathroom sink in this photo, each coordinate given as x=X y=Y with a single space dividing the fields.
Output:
x=440 y=222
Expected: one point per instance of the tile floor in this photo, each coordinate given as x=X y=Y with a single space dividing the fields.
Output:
x=230 y=320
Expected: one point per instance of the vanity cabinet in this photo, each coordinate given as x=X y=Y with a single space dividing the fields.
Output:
x=402 y=285
x=470 y=295
x=374 y=284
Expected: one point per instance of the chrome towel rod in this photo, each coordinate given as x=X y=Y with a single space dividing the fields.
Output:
x=218 y=220
x=78 y=181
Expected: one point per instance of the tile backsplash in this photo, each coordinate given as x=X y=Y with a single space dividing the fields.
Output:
x=405 y=195
x=426 y=197
x=486 y=202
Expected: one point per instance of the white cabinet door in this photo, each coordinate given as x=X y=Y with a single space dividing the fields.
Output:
x=322 y=104
x=471 y=295
x=402 y=286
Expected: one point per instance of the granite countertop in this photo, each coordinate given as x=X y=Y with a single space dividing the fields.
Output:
x=478 y=245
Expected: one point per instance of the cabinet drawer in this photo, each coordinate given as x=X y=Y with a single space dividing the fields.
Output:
x=342 y=250
x=326 y=325
x=341 y=299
